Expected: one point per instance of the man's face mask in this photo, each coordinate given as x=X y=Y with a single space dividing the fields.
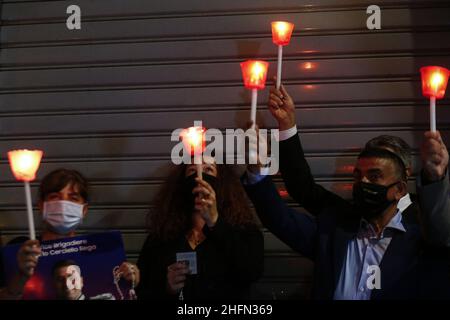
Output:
x=190 y=184
x=63 y=216
x=371 y=199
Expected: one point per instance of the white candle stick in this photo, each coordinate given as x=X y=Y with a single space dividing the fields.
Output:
x=200 y=171
x=280 y=59
x=252 y=151
x=433 y=114
x=198 y=159
x=29 y=211
x=254 y=103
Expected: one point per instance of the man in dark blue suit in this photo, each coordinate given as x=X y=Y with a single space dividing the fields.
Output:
x=372 y=249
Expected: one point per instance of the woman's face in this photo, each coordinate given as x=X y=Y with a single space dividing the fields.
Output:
x=208 y=168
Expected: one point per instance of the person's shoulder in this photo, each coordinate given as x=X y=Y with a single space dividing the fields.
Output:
x=154 y=244
x=414 y=198
x=411 y=214
x=18 y=240
x=248 y=227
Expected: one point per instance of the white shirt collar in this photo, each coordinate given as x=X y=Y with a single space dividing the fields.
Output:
x=404 y=203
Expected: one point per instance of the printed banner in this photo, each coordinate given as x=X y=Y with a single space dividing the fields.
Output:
x=76 y=268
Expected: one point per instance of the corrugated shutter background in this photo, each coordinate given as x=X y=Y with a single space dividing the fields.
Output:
x=104 y=99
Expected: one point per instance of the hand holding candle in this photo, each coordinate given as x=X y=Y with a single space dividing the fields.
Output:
x=24 y=165
x=281 y=36
x=434 y=83
x=254 y=73
x=194 y=142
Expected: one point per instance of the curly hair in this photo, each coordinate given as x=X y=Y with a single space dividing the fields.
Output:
x=167 y=219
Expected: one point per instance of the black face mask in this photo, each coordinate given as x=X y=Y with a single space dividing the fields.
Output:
x=371 y=199
x=189 y=184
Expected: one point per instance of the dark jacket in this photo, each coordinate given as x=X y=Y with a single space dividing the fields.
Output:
x=410 y=268
x=228 y=261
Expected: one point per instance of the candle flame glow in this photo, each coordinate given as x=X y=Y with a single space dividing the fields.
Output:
x=254 y=73
x=25 y=163
x=281 y=32
x=194 y=139
x=434 y=81
x=257 y=72
x=281 y=27
x=194 y=136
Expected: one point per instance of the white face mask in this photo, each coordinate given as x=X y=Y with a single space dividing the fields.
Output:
x=63 y=216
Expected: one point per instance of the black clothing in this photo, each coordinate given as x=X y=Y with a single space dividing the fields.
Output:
x=228 y=261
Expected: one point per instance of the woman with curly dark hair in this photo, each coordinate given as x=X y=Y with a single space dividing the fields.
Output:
x=209 y=219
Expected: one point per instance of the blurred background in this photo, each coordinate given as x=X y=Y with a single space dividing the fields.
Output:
x=105 y=99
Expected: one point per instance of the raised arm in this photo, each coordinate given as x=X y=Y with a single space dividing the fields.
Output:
x=294 y=168
x=433 y=189
x=297 y=230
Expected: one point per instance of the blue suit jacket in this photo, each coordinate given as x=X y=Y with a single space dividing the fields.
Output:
x=409 y=269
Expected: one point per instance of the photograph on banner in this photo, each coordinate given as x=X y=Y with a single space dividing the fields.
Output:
x=77 y=268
